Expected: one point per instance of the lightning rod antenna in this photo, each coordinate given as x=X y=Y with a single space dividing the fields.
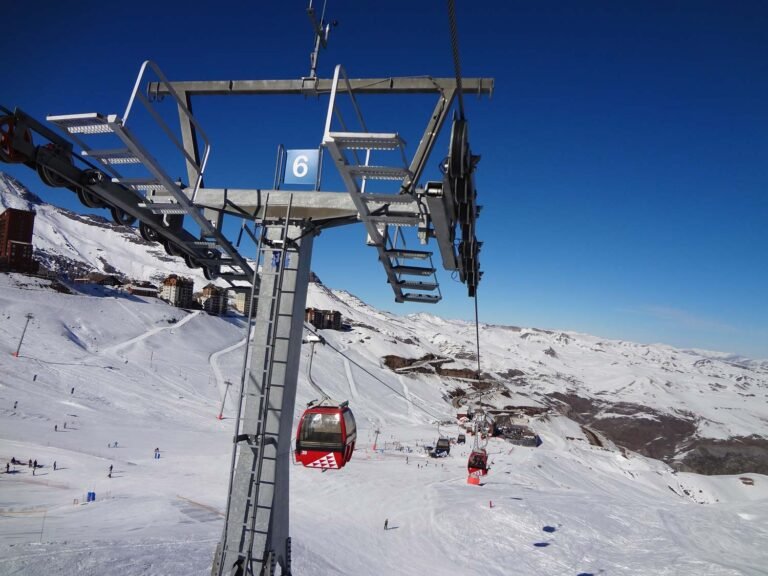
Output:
x=322 y=31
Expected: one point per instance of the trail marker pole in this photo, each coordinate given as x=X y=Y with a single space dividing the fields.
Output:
x=224 y=399
x=42 y=526
x=29 y=317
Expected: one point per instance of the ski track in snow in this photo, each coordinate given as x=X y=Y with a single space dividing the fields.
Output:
x=719 y=550
x=149 y=333
x=213 y=360
x=407 y=394
x=350 y=378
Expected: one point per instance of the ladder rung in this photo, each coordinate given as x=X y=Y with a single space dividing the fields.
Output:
x=380 y=172
x=113 y=156
x=412 y=254
x=366 y=140
x=428 y=298
x=394 y=219
x=413 y=270
x=88 y=123
x=417 y=285
x=158 y=208
x=388 y=198
x=216 y=261
x=140 y=183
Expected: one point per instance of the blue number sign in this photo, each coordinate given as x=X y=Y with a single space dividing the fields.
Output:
x=301 y=167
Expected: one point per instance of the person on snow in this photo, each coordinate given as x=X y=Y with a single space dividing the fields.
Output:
x=55 y=427
x=54 y=465
x=7 y=467
x=34 y=464
x=386 y=524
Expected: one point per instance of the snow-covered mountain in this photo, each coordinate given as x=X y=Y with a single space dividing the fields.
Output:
x=65 y=241
x=103 y=378
x=701 y=411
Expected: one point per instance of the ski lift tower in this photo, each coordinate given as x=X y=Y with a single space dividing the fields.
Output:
x=256 y=534
x=256 y=537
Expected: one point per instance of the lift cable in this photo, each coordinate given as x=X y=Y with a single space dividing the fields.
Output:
x=372 y=375
x=455 y=51
x=477 y=336
x=457 y=69
x=324 y=396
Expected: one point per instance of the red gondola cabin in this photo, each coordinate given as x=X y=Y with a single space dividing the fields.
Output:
x=478 y=462
x=326 y=437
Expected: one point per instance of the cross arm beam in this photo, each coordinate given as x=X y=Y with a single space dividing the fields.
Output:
x=315 y=206
x=394 y=85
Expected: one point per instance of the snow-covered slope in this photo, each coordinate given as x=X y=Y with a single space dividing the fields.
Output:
x=65 y=241
x=140 y=373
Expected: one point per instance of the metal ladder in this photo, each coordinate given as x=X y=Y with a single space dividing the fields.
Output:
x=380 y=211
x=250 y=504
x=162 y=194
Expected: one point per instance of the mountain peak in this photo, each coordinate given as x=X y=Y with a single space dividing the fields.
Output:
x=13 y=194
x=68 y=242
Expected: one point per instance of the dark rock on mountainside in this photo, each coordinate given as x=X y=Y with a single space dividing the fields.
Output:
x=667 y=437
x=427 y=364
x=733 y=456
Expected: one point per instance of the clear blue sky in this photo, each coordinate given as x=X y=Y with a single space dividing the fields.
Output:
x=624 y=168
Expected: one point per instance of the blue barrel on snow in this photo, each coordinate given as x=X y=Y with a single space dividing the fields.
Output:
x=91 y=496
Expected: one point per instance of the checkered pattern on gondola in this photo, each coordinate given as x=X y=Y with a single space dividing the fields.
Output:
x=326 y=462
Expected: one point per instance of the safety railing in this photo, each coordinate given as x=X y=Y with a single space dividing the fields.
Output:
x=199 y=167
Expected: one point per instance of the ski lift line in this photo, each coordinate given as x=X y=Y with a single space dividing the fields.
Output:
x=477 y=337
x=455 y=52
x=398 y=393
x=314 y=384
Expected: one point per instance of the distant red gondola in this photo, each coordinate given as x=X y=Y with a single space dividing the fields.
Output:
x=326 y=436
